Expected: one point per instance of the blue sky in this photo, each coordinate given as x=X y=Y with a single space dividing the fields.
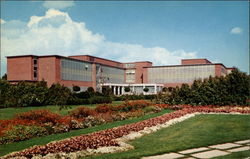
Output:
x=163 y=32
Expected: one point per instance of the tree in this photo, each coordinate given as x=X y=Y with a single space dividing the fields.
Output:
x=58 y=95
x=127 y=89
x=4 y=77
x=106 y=91
x=90 y=90
x=76 y=88
x=164 y=89
x=146 y=89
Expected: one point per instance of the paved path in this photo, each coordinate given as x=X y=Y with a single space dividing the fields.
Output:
x=206 y=152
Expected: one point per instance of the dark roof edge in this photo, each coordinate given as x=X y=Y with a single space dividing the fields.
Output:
x=97 y=57
x=186 y=65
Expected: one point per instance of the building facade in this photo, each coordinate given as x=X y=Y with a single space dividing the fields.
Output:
x=90 y=71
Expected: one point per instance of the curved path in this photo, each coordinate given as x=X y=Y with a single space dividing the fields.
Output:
x=207 y=152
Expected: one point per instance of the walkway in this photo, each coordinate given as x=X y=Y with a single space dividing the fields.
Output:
x=206 y=152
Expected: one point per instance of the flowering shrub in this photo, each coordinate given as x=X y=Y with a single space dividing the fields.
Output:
x=39 y=116
x=21 y=132
x=81 y=117
x=82 y=112
x=137 y=104
x=103 y=108
x=106 y=137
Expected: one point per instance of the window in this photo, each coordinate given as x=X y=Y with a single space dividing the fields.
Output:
x=106 y=74
x=35 y=68
x=130 y=76
x=129 y=65
x=35 y=61
x=35 y=75
x=75 y=70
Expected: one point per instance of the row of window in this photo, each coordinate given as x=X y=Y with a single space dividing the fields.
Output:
x=35 y=68
x=183 y=74
x=106 y=74
x=75 y=70
x=130 y=76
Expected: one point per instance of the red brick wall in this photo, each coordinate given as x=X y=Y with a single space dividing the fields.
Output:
x=175 y=84
x=76 y=83
x=145 y=75
x=139 y=71
x=20 y=68
x=98 y=60
x=218 y=70
x=48 y=70
x=83 y=57
x=94 y=76
x=194 y=61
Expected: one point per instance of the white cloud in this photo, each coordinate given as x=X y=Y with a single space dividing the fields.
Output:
x=57 y=33
x=2 y=21
x=58 y=4
x=236 y=30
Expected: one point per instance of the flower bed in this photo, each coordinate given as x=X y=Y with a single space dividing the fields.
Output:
x=107 y=137
x=44 y=122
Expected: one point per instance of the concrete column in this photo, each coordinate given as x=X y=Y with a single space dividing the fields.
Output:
x=115 y=90
x=143 y=90
x=122 y=90
x=155 y=89
x=133 y=89
x=119 y=88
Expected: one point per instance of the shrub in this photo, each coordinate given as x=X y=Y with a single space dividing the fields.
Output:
x=22 y=132
x=82 y=112
x=39 y=116
x=99 y=100
x=126 y=89
x=92 y=121
x=4 y=88
x=152 y=109
x=77 y=101
x=232 y=89
x=58 y=95
x=103 y=108
x=90 y=90
x=146 y=89
x=76 y=88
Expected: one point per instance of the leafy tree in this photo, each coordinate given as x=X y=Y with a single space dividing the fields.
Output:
x=106 y=91
x=76 y=88
x=4 y=89
x=58 y=95
x=232 y=89
x=146 y=89
x=4 y=77
x=164 y=89
x=127 y=89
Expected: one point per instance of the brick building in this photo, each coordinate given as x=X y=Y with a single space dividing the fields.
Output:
x=90 y=71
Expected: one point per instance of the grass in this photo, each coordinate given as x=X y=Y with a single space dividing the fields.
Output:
x=238 y=155
x=8 y=113
x=202 y=130
x=5 y=149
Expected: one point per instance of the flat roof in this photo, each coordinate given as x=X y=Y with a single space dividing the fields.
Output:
x=65 y=57
x=97 y=57
x=136 y=62
x=186 y=65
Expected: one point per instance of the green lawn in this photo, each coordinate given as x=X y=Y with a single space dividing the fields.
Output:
x=8 y=113
x=202 y=130
x=5 y=149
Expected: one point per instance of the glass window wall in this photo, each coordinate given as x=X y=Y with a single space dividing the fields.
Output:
x=75 y=70
x=180 y=74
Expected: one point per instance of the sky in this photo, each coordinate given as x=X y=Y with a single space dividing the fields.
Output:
x=163 y=32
